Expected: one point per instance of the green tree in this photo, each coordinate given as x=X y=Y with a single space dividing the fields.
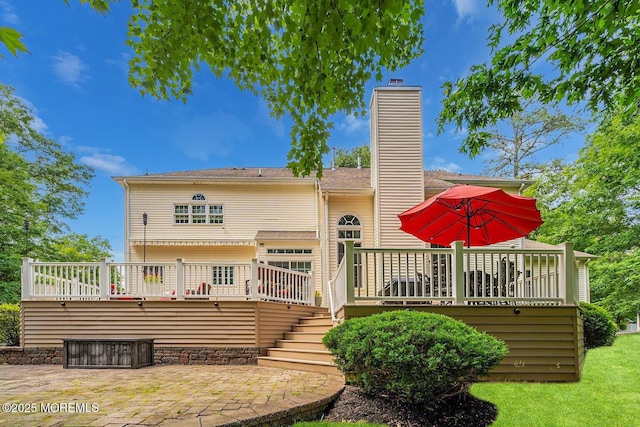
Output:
x=528 y=132
x=10 y=37
x=615 y=283
x=77 y=248
x=348 y=157
x=39 y=182
x=595 y=201
x=591 y=48
x=308 y=60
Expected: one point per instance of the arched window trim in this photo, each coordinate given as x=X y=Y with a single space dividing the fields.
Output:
x=349 y=227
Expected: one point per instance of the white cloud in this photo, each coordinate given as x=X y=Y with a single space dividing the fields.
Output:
x=7 y=14
x=37 y=124
x=113 y=165
x=212 y=135
x=70 y=69
x=459 y=134
x=121 y=63
x=466 y=8
x=352 y=124
x=438 y=163
x=64 y=140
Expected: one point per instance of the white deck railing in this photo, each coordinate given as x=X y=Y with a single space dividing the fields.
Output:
x=179 y=280
x=458 y=275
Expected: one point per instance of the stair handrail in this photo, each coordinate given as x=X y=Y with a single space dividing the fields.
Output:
x=337 y=297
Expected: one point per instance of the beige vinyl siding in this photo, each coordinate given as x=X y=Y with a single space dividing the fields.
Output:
x=169 y=323
x=194 y=253
x=360 y=206
x=398 y=173
x=247 y=209
x=583 y=281
x=545 y=343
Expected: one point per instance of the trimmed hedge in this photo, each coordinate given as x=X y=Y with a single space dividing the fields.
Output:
x=599 y=327
x=417 y=357
x=10 y=324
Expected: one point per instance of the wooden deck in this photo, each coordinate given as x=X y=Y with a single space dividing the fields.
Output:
x=545 y=343
x=229 y=324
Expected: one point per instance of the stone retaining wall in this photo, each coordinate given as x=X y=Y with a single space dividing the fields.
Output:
x=162 y=356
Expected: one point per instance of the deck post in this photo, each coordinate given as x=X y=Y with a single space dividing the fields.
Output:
x=311 y=290
x=569 y=275
x=27 y=280
x=105 y=279
x=179 y=279
x=458 y=271
x=349 y=265
x=253 y=289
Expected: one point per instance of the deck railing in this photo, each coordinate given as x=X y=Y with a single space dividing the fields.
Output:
x=456 y=275
x=178 y=280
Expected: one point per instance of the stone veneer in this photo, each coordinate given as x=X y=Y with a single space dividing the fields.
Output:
x=162 y=356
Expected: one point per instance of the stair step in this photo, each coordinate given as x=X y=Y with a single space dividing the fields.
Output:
x=311 y=328
x=324 y=321
x=298 y=354
x=304 y=336
x=300 y=345
x=322 y=314
x=299 y=365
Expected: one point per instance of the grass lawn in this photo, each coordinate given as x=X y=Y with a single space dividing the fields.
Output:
x=607 y=395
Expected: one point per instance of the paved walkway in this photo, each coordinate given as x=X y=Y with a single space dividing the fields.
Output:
x=176 y=395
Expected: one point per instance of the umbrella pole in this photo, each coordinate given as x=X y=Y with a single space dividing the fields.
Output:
x=468 y=223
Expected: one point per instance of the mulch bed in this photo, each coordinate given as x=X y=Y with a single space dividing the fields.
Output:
x=461 y=411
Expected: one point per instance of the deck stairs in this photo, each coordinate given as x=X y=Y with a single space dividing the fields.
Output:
x=302 y=348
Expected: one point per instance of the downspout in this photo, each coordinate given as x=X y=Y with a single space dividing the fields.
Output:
x=317 y=194
x=587 y=281
x=127 y=254
x=325 y=256
x=521 y=239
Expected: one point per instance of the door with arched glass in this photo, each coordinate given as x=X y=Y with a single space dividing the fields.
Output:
x=349 y=227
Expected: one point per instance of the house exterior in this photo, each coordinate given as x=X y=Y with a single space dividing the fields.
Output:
x=220 y=264
x=267 y=214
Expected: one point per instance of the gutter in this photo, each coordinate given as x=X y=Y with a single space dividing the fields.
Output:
x=127 y=255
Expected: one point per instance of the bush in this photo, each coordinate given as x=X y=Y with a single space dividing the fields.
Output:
x=417 y=357
x=10 y=324
x=599 y=327
x=10 y=292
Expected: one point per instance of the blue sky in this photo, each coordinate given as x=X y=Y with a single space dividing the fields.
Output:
x=75 y=81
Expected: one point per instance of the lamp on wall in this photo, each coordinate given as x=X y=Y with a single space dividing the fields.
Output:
x=144 y=238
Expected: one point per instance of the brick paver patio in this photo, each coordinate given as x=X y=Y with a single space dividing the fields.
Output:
x=175 y=395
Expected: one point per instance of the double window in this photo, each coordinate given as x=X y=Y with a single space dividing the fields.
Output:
x=198 y=212
x=222 y=275
x=301 y=266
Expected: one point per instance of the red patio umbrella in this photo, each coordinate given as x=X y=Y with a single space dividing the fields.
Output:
x=478 y=215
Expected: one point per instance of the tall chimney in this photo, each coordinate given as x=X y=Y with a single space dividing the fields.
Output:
x=397 y=172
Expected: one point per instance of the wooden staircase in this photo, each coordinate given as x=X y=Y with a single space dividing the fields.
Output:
x=302 y=348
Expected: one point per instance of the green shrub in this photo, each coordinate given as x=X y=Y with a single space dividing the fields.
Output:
x=10 y=292
x=10 y=324
x=417 y=357
x=599 y=327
